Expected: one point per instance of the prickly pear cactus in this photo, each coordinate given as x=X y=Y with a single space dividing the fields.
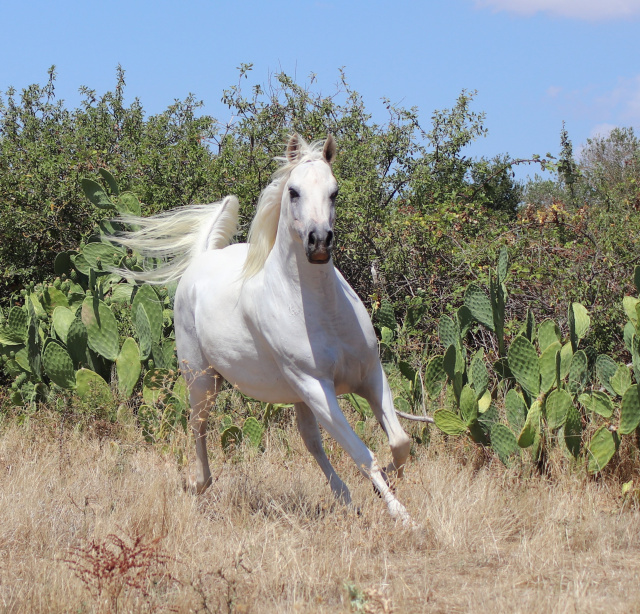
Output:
x=253 y=431
x=532 y=426
x=548 y=333
x=449 y=332
x=435 y=376
x=579 y=322
x=516 y=410
x=102 y=328
x=630 y=410
x=449 y=423
x=504 y=443
x=547 y=363
x=147 y=299
x=58 y=365
x=128 y=367
x=232 y=435
x=573 y=431
x=386 y=316
x=601 y=448
x=606 y=368
x=480 y=305
x=523 y=362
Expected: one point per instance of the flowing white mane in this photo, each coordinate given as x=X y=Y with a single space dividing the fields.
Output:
x=264 y=227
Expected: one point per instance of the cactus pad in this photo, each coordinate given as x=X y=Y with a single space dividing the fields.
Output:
x=465 y=320
x=479 y=375
x=566 y=354
x=557 y=405
x=523 y=362
x=401 y=404
x=503 y=442
x=386 y=316
x=143 y=330
x=548 y=333
x=579 y=321
x=621 y=380
x=448 y=332
x=52 y=298
x=100 y=255
x=630 y=410
x=531 y=426
x=147 y=299
x=573 y=431
x=449 y=423
x=548 y=374
x=232 y=435
x=629 y=304
x=601 y=448
x=96 y=194
x=434 y=377
x=17 y=324
x=62 y=318
x=479 y=304
x=92 y=388
x=468 y=404
x=598 y=402
x=253 y=430
x=606 y=368
x=516 y=410
x=578 y=371
x=102 y=328
x=503 y=264
x=128 y=203
x=128 y=367
x=58 y=366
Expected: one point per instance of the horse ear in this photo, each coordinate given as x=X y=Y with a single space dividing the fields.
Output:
x=293 y=148
x=329 y=151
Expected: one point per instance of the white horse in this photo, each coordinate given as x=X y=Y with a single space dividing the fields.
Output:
x=273 y=316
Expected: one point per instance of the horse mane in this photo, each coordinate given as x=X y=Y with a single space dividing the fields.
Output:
x=264 y=227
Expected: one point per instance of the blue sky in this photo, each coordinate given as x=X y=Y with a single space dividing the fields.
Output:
x=534 y=63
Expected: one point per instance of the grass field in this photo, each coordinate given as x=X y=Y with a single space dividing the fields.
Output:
x=94 y=520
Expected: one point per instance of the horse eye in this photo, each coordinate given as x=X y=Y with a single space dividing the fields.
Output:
x=333 y=196
x=293 y=193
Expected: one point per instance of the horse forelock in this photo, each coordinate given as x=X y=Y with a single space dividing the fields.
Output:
x=264 y=227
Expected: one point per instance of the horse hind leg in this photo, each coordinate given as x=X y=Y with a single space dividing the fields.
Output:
x=310 y=433
x=203 y=390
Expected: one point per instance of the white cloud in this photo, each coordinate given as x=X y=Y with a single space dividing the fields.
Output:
x=592 y=10
x=623 y=101
x=620 y=105
x=601 y=131
x=554 y=91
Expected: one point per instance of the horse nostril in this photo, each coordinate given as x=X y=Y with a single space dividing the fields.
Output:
x=329 y=238
x=312 y=238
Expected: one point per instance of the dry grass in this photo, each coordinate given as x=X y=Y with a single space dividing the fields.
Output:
x=267 y=537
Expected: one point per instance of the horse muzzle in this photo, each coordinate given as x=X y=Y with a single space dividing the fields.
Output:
x=318 y=246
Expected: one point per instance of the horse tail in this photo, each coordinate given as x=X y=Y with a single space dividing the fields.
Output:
x=176 y=237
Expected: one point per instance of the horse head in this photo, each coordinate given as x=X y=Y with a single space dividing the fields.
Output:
x=309 y=199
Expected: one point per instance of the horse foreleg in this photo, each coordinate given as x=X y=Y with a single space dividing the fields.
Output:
x=377 y=392
x=326 y=409
x=308 y=427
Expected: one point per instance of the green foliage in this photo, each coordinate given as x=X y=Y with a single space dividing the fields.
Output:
x=46 y=151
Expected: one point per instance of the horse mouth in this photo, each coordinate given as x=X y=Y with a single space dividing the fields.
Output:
x=319 y=258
